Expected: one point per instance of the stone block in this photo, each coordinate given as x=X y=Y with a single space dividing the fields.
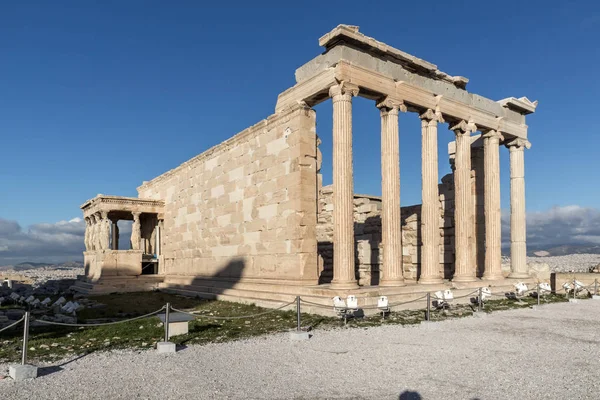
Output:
x=22 y=372
x=595 y=297
x=299 y=335
x=165 y=347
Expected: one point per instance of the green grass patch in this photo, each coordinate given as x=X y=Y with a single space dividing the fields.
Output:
x=49 y=343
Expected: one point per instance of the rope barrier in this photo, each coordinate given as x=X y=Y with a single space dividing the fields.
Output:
x=236 y=317
x=461 y=297
x=101 y=324
x=313 y=304
x=390 y=305
x=11 y=325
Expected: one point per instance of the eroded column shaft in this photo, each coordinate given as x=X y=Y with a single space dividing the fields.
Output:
x=344 y=275
x=518 y=230
x=391 y=225
x=491 y=201
x=463 y=211
x=430 y=211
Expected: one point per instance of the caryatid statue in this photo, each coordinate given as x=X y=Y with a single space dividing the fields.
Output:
x=104 y=231
x=135 y=231
x=98 y=231
x=86 y=237
x=92 y=233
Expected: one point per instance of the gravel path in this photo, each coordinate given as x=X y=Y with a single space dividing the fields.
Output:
x=549 y=353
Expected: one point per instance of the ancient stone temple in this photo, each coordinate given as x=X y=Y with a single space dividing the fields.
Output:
x=249 y=219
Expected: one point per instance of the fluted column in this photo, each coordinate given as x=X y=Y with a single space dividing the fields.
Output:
x=518 y=230
x=344 y=276
x=465 y=270
x=430 y=211
x=136 y=233
x=391 y=225
x=491 y=204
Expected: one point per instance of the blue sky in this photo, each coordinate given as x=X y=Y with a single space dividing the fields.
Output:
x=96 y=97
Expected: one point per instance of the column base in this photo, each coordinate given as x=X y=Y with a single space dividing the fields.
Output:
x=492 y=277
x=344 y=285
x=430 y=280
x=396 y=283
x=466 y=278
x=518 y=275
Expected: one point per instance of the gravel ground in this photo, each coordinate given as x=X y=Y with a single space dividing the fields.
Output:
x=549 y=353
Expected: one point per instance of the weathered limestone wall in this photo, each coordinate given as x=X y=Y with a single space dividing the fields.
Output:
x=102 y=263
x=367 y=232
x=247 y=207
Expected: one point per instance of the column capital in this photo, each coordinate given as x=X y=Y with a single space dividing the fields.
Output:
x=343 y=89
x=463 y=128
x=430 y=115
x=388 y=105
x=518 y=144
x=104 y=214
x=493 y=134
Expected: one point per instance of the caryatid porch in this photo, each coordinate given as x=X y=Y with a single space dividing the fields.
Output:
x=103 y=257
x=399 y=82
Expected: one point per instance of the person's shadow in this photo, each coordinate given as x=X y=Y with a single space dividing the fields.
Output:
x=409 y=395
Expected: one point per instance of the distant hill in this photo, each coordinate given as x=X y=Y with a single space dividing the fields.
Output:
x=29 y=265
x=33 y=265
x=566 y=250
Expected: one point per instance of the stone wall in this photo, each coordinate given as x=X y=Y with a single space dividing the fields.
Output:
x=247 y=207
x=367 y=231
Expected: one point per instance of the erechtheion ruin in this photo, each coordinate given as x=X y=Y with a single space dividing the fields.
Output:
x=249 y=219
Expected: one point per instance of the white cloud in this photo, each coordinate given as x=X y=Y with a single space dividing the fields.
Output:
x=567 y=225
x=45 y=242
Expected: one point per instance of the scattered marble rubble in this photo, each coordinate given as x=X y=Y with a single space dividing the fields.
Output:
x=60 y=310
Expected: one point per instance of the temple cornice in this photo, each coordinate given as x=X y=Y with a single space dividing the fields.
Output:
x=105 y=204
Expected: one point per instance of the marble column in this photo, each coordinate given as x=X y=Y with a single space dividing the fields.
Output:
x=430 y=211
x=344 y=276
x=391 y=224
x=114 y=234
x=136 y=234
x=465 y=270
x=518 y=231
x=491 y=204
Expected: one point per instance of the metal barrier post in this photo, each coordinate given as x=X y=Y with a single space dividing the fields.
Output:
x=428 y=312
x=479 y=299
x=596 y=287
x=25 y=338
x=167 y=322
x=538 y=294
x=574 y=289
x=298 y=313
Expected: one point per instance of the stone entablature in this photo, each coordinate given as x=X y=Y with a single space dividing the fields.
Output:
x=379 y=77
x=349 y=34
x=103 y=203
